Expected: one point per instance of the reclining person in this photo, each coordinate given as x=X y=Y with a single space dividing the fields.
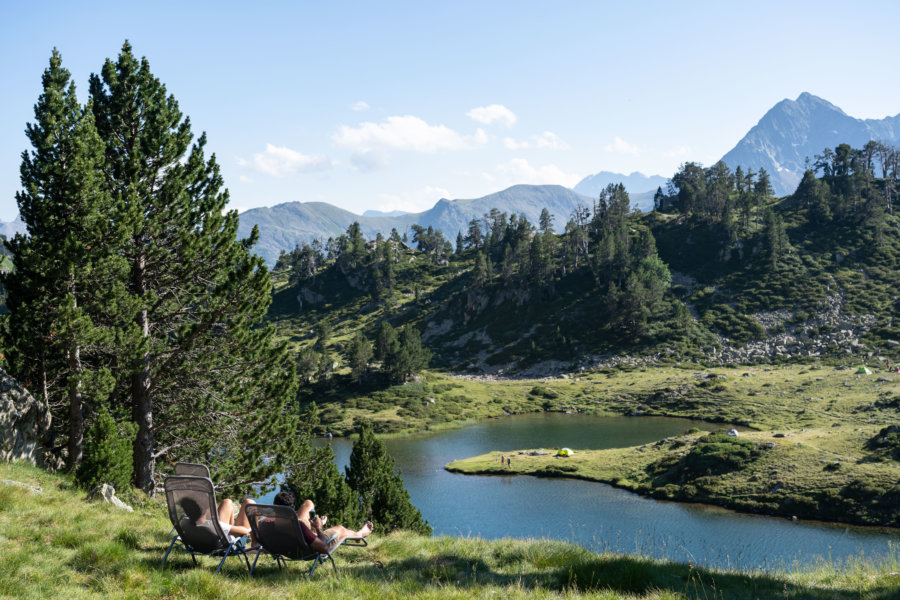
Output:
x=233 y=527
x=321 y=540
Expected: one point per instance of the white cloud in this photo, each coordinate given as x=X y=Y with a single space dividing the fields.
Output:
x=678 y=152
x=494 y=112
x=360 y=105
x=548 y=139
x=620 y=146
x=279 y=161
x=245 y=179
x=519 y=170
x=412 y=201
x=405 y=133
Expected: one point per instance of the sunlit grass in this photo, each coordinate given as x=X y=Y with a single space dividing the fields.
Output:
x=56 y=545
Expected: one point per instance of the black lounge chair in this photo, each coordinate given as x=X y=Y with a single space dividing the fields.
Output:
x=277 y=531
x=194 y=513
x=194 y=469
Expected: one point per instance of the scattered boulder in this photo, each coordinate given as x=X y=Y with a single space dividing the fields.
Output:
x=733 y=432
x=107 y=493
x=24 y=423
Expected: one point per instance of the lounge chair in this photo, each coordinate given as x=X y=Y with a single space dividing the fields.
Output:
x=277 y=531
x=199 y=533
x=197 y=470
x=183 y=468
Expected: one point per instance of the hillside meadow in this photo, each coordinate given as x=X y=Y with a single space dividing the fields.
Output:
x=56 y=545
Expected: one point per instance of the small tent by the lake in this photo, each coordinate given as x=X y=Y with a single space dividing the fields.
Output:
x=863 y=370
x=565 y=452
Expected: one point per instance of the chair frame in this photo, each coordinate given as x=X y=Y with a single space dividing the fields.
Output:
x=257 y=511
x=193 y=469
x=225 y=548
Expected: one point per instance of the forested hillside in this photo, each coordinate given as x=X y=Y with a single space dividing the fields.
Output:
x=720 y=271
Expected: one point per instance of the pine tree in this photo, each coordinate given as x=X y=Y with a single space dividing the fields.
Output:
x=316 y=476
x=386 y=341
x=359 y=353
x=406 y=357
x=204 y=382
x=379 y=488
x=64 y=273
x=107 y=453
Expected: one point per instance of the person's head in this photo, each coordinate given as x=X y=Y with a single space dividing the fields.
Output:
x=284 y=498
x=191 y=509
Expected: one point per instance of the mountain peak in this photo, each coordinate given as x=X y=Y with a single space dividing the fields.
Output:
x=794 y=130
x=810 y=101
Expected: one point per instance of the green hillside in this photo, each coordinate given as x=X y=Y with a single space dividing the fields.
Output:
x=721 y=272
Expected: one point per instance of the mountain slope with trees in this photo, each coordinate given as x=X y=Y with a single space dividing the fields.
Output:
x=722 y=271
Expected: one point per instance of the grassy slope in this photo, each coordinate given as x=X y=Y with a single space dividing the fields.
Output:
x=785 y=398
x=55 y=545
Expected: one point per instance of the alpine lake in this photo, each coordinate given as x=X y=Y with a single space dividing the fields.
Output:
x=598 y=516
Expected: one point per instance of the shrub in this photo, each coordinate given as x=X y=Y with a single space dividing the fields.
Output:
x=107 y=453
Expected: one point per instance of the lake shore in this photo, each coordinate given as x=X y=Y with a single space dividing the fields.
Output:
x=813 y=474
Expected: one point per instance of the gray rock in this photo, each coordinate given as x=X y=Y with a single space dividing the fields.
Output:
x=107 y=493
x=24 y=423
x=31 y=488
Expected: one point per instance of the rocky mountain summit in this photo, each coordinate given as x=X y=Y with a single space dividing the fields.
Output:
x=794 y=130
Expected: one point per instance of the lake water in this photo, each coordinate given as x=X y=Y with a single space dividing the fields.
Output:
x=596 y=515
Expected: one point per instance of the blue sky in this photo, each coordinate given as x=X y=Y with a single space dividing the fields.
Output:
x=393 y=105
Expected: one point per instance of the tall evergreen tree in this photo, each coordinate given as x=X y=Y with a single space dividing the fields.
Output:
x=373 y=476
x=63 y=272
x=203 y=380
x=359 y=353
x=316 y=476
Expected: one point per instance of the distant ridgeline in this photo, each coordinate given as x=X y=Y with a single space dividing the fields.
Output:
x=720 y=270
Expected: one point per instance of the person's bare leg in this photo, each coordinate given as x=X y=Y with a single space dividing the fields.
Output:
x=340 y=532
x=226 y=511
x=241 y=520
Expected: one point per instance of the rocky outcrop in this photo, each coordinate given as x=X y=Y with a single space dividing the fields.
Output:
x=107 y=493
x=24 y=423
x=828 y=331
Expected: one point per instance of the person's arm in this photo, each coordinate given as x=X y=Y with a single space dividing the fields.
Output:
x=318 y=542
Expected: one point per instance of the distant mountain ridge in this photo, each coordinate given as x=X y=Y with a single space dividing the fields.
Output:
x=636 y=183
x=10 y=228
x=793 y=130
x=284 y=226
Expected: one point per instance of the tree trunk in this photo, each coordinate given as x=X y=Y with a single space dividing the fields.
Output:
x=76 y=414
x=142 y=403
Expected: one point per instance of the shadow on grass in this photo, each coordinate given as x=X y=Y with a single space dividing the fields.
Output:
x=621 y=574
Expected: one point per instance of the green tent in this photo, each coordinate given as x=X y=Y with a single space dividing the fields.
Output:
x=862 y=370
x=565 y=452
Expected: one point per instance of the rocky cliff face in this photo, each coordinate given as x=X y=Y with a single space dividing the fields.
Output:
x=24 y=421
